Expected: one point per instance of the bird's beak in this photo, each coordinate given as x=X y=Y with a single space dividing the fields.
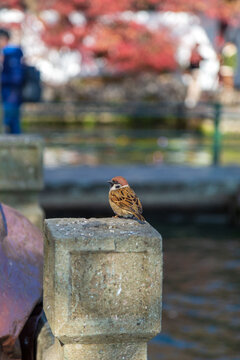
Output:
x=110 y=182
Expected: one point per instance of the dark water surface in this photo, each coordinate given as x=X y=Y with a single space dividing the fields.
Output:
x=201 y=294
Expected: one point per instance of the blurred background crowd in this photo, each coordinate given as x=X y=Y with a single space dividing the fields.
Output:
x=74 y=40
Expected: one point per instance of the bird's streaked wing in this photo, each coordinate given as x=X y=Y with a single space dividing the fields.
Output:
x=126 y=199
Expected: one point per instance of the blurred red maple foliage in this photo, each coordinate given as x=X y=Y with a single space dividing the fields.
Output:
x=124 y=44
x=16 y=4
x=128 y=46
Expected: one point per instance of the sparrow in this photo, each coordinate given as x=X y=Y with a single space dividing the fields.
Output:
x=123 y=199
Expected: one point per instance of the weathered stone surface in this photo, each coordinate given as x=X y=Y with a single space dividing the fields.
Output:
x=21 y=175
x=45 y=339
x=20 y=163
x=117 y=351
x=102 y=286
x=54 y=352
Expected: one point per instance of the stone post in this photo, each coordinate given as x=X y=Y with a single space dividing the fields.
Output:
x=102 y=288
x=21 y=176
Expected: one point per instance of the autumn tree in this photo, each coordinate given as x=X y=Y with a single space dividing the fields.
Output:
x=105 y=29
x=101 y=31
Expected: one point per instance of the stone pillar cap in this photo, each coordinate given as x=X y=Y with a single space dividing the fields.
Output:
x=105 y=234
x=102 y=280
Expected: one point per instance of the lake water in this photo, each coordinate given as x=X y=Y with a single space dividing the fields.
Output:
x=201 y=294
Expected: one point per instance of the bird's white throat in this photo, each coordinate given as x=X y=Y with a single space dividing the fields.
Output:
x=117 y=187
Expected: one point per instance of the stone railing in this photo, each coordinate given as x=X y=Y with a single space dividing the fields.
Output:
x=102 y=288
x=21 y=176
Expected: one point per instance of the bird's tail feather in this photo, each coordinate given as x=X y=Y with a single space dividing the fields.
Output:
x=140 y=218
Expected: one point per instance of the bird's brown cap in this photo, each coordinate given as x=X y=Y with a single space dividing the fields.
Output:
x=119 y=180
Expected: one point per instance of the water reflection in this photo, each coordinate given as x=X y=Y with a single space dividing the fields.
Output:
x=201 y=307
x=112 y=145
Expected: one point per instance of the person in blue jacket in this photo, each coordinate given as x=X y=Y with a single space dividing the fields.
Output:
x=11 y=83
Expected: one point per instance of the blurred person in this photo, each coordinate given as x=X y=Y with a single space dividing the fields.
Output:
x=11 y=82
x=228 y=64
x=194 y=88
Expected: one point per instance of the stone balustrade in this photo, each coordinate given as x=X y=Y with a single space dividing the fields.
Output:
x=21 y=176
x=102 y=288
